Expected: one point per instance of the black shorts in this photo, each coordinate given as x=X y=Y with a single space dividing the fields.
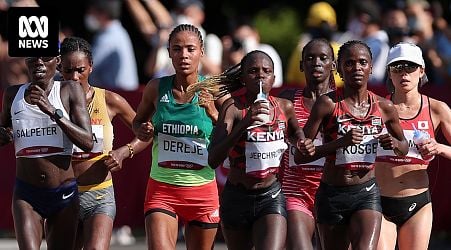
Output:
x=240 y=208
x=335 y=205
x=399 y=209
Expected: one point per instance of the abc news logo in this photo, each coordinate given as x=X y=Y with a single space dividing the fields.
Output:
x=32 y=32
x=26 y=31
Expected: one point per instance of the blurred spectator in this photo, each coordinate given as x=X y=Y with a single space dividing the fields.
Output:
x=150 y=17
x=368 y=19
x=153 y=22
x=113 y=55
x=192 y=12
x=13 y=70
x=244 y=37
x=442 y=40
x=187 y=12
x=395 y=24
x=321 y=22
x=420 y=20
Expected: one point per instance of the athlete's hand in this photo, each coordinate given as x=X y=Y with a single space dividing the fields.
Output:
x=353 y=136
x=39 y=97
x=145 y=131
x=113 y=161
x=6 y=135
x=429 y=148
x=386 y=141
x=207 y=101
x=254 y=112
x=305 y=146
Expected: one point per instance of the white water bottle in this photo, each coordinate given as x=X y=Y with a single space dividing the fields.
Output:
x=420 y=137
x=261 y=97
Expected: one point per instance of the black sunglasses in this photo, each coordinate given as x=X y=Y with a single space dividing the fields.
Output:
x=403 y=67
x=35 y=59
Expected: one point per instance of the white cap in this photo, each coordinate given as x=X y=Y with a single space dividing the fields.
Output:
x=405 y=52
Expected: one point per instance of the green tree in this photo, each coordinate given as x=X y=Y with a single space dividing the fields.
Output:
x=280 y=28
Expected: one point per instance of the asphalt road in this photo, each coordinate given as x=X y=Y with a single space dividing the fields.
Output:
x=438 y=242
x=11 y=244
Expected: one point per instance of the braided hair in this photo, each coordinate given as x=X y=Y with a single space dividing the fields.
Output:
x=346 y=47
x=326 y=42
x=186 y=27
x=227 y=82
x=73 y=44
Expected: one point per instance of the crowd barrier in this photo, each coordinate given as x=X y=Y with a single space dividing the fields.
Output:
x=130 y=182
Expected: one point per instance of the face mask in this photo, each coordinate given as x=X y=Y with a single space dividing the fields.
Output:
x=356 y=27
x=250 y=44
x=91 y=23
x=397 y=31
x=413 y=24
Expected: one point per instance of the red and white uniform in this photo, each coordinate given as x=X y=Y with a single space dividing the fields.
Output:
x=300 y=182
x=422 y=121
x=260 y=149
x=357 y=156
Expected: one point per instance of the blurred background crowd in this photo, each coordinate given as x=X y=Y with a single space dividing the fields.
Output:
x=140 y=30
x=129 y=37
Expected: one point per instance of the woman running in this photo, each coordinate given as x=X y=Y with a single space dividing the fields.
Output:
x=300 y=181
x=403 y=181
x=347 y=204
x=93 y=168
x=253 y=135
x=181 y=184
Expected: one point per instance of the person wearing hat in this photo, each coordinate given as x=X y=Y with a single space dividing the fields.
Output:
x=321 y=22
x=403 y=181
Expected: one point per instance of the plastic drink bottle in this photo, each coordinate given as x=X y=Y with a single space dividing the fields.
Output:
x=420 y=137
x=261 y=97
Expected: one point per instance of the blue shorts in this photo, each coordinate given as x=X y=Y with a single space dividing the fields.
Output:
x=46 y=201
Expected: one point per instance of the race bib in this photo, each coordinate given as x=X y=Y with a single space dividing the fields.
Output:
x=97 y=138
x=182 y=152
x=37 y=136
x=413 y=155
x=261 y=156
x=358 y=155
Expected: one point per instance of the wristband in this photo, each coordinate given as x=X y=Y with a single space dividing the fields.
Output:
x=130 y=150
